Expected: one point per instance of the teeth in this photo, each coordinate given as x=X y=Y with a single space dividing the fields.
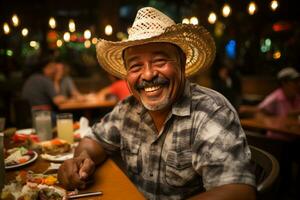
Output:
x=151 y=89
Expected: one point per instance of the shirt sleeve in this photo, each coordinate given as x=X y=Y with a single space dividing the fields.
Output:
x=220 y=151
x=268 y=105
x=107 y=131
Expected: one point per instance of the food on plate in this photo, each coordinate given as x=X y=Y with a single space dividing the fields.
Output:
x=17 y=155
x=55 y=146
x=30 y=186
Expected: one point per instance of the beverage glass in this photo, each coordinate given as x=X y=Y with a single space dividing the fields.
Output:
x=43 y=125
x=64 y=123
x=2 y=123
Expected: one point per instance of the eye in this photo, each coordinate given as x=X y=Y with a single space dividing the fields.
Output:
x=135 y=67
x=159 y=62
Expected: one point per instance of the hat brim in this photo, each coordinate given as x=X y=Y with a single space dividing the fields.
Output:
x=194 y=40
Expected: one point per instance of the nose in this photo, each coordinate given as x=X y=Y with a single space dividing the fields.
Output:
x=148 y=73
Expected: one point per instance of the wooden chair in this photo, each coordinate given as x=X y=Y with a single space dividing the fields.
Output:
x=266 y=170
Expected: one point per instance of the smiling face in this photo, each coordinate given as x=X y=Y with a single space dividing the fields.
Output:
x=155 y=74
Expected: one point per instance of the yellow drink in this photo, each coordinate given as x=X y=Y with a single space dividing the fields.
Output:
x=65 y=128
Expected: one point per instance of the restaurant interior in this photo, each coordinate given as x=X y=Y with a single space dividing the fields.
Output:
x=254 y=40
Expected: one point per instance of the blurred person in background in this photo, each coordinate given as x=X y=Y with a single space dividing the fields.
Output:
x=63 y=83
x=285 y=100
x=227 y=82
x=117 y=90
x=39 y=89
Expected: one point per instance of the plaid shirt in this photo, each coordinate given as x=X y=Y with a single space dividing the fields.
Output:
x=201 y=145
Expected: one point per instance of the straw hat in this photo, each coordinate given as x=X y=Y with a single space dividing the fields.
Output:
x=151 y=25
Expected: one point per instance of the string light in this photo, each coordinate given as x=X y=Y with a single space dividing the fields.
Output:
x=194 y=20
x=251 y=8
x=94 y=40
x=25 y=32
x=212 y=18
x=87 y=34
x=185 y=21
x=87 y=44
x=274 y=5
x=52 y=23
x=15 y=20
x=59 y=43
x=6 y=28
x=108 y=29
x=226 y=10
x=72 y=26
x=67 y=37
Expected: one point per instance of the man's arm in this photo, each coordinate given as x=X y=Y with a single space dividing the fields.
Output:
x=228 y=192
x=92 y=148
x=75 y=173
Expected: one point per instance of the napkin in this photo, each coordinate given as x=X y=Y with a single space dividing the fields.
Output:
x=84 y=129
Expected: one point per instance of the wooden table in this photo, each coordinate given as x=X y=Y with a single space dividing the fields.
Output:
x=108 y=178
x=282 y=125
x=91 y=103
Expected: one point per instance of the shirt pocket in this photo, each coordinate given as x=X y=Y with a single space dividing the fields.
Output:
x=130 y=155
x=179 y=170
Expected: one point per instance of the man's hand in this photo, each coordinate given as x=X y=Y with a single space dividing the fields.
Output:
x=74 y=173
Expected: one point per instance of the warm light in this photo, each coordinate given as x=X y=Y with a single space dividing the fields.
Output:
x=9 y=52
x=67 y=37
x=94 y=40
x=277 y=55
x=87 y=34
x=59 y=43
x=87 y=44
x=15 y=20
x=226 y=10
x=274 y=5
x=34 y=44
x=72 y=27
x=108 y=29
x=52 y=23
x=212 y=18
x=6 y=28
x=194 y=20
x=24 y=32
x=251 y=8
x=185 y=21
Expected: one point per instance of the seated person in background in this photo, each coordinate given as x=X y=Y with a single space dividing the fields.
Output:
x=63 y=83
x=39 y=90
x=284 y=101
x=177 y=140
x=225 y=81
x=118 y=89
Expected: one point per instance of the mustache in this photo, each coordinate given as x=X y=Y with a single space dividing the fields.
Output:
x=154 y=82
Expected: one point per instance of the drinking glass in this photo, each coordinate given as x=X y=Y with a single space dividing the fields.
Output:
x=2 y=123
x=43 y=125
x=64 y=123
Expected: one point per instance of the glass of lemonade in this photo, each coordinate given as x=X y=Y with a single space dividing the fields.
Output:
x=64 y=123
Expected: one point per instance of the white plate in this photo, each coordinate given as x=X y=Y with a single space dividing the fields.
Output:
x=58 y=158
x=32 y=159
x=27 y=131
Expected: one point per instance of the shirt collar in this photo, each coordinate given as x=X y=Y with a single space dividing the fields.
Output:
x=182 y=107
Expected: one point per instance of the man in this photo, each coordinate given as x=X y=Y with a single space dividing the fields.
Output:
x=39 y=90
x=285 y=100
x=177 y=140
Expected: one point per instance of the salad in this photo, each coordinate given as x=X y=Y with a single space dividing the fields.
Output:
x=17 y=155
